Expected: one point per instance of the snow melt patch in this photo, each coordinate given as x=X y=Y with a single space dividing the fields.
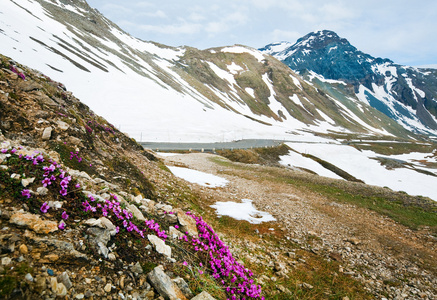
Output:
x=363 y=165
x=234 y=68
x=242 y=211
x=222 y=73
x=250 y=91
x=201 y=178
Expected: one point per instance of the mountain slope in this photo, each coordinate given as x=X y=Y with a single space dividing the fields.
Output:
x=405 y=94
x=155 y=92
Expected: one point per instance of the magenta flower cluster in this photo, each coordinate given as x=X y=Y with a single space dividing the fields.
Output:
x=14 y=69
x=75 y=155
x=234 y=277
x=50 y=176
x=113 y=207
x=109 y=128
x=51 y=173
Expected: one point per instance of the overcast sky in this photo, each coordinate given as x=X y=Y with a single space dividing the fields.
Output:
x=404 y=31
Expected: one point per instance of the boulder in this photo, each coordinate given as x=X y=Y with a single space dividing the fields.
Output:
x=136 y=212
x=188 y=224
x=164 y=286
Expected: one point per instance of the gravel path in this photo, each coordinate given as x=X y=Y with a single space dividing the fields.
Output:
x=374 y=248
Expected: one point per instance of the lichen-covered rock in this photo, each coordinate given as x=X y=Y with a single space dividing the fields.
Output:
x=33 y=222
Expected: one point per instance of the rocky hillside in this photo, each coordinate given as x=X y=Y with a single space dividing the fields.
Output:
x=407 y=95
x=86 y=212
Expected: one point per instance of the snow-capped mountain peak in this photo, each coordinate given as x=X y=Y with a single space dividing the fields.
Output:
x=405 y=94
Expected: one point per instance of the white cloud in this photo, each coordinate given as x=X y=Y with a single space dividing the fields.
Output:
x=279 y=35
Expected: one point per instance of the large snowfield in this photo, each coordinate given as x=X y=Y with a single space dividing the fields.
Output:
x=363 y=165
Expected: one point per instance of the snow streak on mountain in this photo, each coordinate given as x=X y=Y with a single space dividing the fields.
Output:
x=407 y=95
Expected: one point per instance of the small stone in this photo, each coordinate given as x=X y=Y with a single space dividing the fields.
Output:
x=162 y=283
x=42 y=191
x=283 y=289
x=40 y=283
x=47 y=133
x=28 y=277
x=121 y=282
x=57 y=287
x=6 y=261
x=88 y=294
x=79 y=296
x=62 y=125
x=50 y=272
x=354 y=241
x=183 y=286
x=26 y=181
x=107 y=287
x=174 y=233
x=111 y=256
x=307 y=286
x=137 y=268
x=23 y=249
x=188 y=223
x=88 y=280
x=74 y=140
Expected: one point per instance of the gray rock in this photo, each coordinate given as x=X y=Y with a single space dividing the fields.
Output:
x=188 y=223
x=42 y=191
x=174 y=233
x=203 y=296
x=137 y=268
x=47 y=134
x=74 y=140
x=62 y=125
x=162 y=283
x=28 y=277
x=183 y=286
x=136 y=212
x=65 y=279
x=99 y=238
x=159 y=245
x=26 y=181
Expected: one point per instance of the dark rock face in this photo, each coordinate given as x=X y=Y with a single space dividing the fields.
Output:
x=333 y=57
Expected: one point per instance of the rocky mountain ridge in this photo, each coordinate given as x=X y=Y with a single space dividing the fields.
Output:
x=231 y=92
x=407 y=95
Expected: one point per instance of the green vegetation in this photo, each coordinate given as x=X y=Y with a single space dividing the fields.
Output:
x=264 y=156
